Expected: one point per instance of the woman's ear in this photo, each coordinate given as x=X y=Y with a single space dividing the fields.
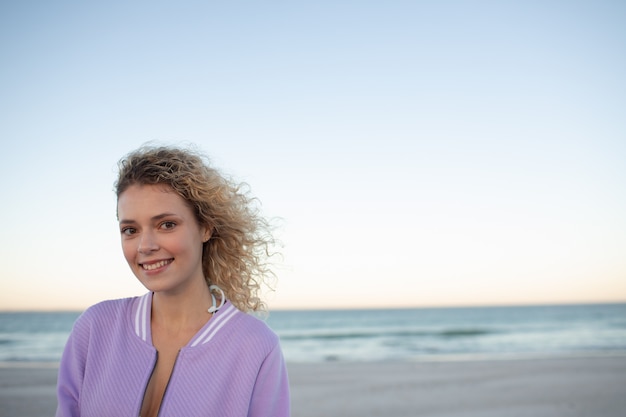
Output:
x=208 y=232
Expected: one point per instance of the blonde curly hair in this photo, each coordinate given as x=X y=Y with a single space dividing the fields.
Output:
x=236 y=256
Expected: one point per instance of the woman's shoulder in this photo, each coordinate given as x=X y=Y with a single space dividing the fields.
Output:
x=108 y=311
x=110 y=306
x=252 y=326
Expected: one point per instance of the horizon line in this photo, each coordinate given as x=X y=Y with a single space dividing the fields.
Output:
x=353 y=308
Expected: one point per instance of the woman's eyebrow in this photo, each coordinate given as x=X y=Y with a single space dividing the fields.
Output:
x=163 y=215
x=153 y=218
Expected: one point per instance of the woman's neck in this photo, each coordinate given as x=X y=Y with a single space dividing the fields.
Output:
x=182 y=310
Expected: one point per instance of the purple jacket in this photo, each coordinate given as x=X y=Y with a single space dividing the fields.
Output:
x=233 y=366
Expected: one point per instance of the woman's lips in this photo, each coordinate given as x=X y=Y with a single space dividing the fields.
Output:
x=155 y=265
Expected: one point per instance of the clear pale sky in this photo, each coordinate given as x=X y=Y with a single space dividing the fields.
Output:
x=419 y=153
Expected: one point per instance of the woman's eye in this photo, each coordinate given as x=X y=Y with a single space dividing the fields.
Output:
x=128 y=231
x=168 y=225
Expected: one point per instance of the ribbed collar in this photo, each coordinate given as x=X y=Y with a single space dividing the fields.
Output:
x=142 y=316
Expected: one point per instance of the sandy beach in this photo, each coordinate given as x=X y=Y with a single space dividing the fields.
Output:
x=557 y=387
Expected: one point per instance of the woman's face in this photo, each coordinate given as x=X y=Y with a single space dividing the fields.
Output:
x=161 y=239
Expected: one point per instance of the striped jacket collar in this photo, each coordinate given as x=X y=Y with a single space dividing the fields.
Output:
x=142 y=315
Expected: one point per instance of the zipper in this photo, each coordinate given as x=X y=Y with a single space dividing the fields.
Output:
x=168 y=384
x=154 y=362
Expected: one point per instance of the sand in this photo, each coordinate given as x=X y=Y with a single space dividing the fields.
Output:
x=557 y=387
x=27 y=390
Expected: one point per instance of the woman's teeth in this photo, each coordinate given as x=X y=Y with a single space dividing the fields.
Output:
x=150 y=267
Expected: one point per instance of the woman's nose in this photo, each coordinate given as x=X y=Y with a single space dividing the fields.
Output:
x=147 y=243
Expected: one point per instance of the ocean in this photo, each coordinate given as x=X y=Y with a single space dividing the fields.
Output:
x=416 y=334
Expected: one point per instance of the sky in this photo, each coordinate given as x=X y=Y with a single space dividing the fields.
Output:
x=411 y=153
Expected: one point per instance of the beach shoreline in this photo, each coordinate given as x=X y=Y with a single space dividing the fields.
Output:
x=576 y=385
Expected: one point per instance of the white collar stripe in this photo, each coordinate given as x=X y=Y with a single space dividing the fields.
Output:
x=214 y=322
x=220 y=325
x=140 y=317
x=144 y=317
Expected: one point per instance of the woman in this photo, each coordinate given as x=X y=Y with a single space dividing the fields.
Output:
x=187 y=347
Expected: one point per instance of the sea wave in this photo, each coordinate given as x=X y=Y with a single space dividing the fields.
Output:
x=367 y=334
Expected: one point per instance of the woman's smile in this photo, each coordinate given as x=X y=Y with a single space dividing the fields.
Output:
x=151 y=266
